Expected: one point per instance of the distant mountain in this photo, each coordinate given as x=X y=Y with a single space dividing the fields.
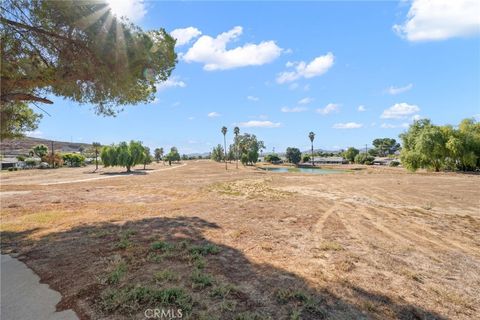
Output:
x=23 y=146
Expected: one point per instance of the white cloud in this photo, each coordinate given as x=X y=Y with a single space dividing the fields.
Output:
x=393 y=126
x=440 y=19
x=172 y=82
x=361 y=108
x=213 y=114
x=416 y=117
x=295 y=109
x=253 y=98
x=396 y=90
x=400 y=111
x=185 y=35
x=176 y=104
x=293 y=86
x=34 y=134
x=314 y=68
x=329 y=108
x=134 y=10
x=212 y=52
x=306 y=100
x=347 y=125
x=259 y=124
x=191 y=118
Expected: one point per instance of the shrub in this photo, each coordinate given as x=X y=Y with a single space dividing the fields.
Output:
x=364 y=158
x=31 y=162
x=272 y=157
x=394 y=163
x=73 y=159
x=21 y=158
x=306 y=158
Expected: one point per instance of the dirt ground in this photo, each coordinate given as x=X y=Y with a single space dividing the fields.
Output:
x=374 y=243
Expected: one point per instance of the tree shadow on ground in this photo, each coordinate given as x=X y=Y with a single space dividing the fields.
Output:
x=118 y=270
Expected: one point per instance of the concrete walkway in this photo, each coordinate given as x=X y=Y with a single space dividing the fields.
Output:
x=23 y=297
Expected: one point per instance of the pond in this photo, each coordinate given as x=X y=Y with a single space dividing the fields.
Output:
x=303 y=170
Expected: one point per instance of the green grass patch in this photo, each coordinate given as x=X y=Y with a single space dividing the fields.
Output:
x=117 y=273
x=200 y=279
x=166 y=275
x=204 y=250
x=136 y=298
x=222 y=290
x=162 y=245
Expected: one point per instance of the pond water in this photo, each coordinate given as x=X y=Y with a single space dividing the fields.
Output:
x=303 y=170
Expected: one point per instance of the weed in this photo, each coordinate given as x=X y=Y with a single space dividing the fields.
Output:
x=154 y=257
x=228 y=305
x=222 y=290
x=201 y=280
x=124 y=243
x=134 y=298
x=205 y=249
x=162 y=245
x=198 y=261
x=119 y=271
x=165 y=275
x=286 y=295
x=296 y=315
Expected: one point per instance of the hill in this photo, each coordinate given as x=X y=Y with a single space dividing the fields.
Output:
x=23 y=146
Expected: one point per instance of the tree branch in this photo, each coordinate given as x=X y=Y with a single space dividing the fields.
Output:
x=23 y=97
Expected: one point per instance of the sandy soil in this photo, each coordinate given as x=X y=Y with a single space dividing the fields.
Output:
x=375 y=243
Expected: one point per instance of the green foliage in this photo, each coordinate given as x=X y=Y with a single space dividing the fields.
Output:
x=119 y=271
x=16 y=118
x=201 y=279
x=249 y=147
x=385 y=146
x=305 y=158
x=394 y=163
x=350 y=154
x=73 y=49
x=173 y=155
x=40 y=150
x=138 y=297
x=217 y=153
x=293 y=155
x=158 y=154
x=441 y=147
x=123 y=154
x=147 y=157
x=21 y=158
x=273 y=157
x=73 y=159
x=364 y=158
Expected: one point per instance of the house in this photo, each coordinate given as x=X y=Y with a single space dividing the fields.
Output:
x=329 y=160
x=9 y=163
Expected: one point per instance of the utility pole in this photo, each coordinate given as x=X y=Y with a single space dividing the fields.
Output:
x=366 y=149
x=53 y=156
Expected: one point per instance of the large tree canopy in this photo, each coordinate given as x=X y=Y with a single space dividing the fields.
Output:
x=426 y=145
x=80 y=51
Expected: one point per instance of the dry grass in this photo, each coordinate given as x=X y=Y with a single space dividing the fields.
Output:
x=244 y=244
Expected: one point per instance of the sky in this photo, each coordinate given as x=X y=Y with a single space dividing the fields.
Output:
x=348 y=71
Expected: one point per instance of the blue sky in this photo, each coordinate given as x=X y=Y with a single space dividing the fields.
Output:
x=349 y=71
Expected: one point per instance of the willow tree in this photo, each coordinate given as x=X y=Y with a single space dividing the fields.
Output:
x=123 y=155
x=80 y=51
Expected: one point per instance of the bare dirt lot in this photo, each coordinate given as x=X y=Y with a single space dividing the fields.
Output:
x=376 y=243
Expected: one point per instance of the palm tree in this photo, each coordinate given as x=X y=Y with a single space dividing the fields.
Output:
x=224 y=131
x=236 y=131
x=96 y=145
x=311 y=136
